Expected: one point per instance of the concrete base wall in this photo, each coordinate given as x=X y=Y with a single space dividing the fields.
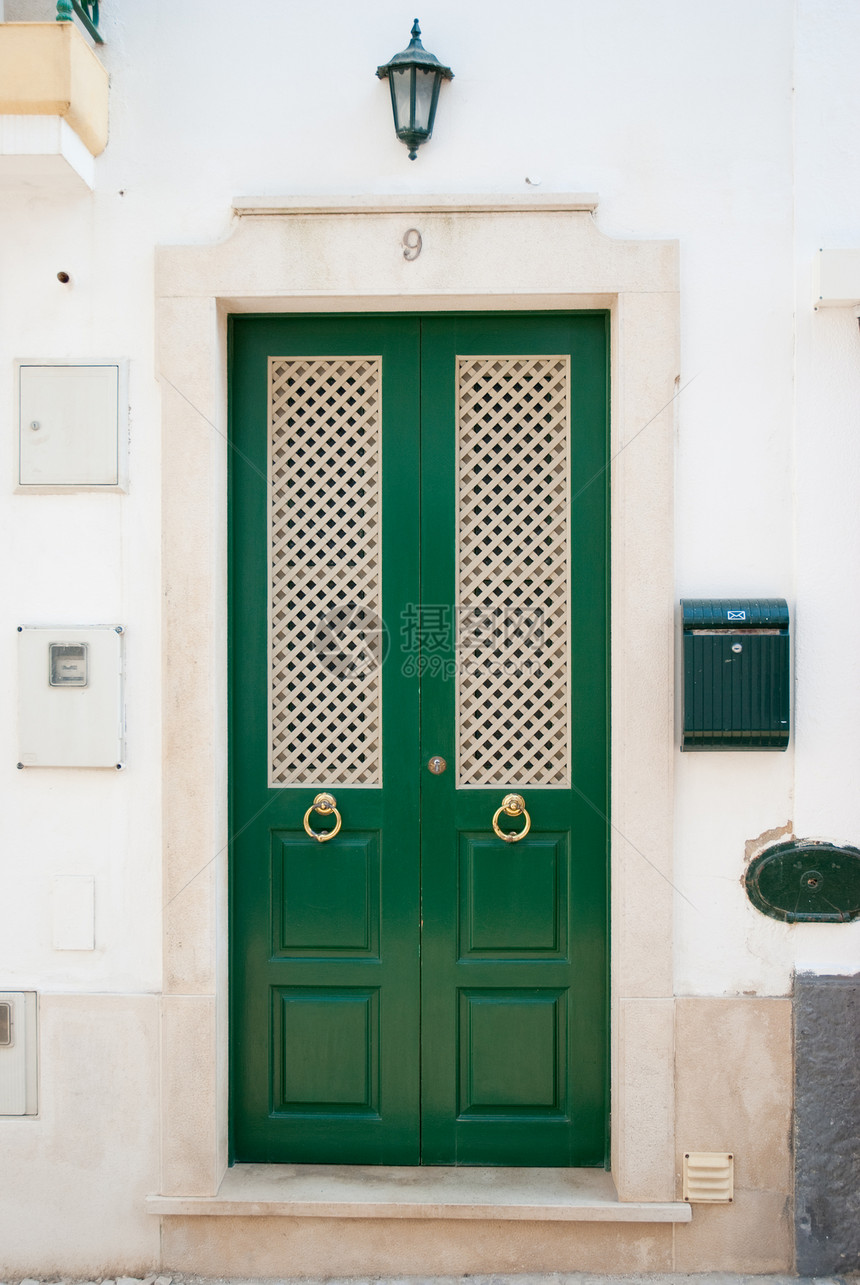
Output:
x=733 y=1073
x=74 y=1179
x=752 y=1236
x=733 y=1069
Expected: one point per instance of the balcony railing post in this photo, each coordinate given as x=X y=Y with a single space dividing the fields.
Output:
x=86 y=10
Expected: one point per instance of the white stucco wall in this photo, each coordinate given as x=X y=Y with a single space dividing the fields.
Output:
x=731 y=128
x=828 y=452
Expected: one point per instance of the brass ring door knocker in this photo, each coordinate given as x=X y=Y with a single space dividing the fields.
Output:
x=325 y=805
x=513 y=805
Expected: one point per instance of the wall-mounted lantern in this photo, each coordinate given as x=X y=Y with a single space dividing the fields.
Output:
x=414 y=77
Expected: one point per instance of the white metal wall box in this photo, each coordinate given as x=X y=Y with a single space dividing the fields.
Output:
x=70 y=425
x=18 y=1049
x=837 y=279
x=70 y=697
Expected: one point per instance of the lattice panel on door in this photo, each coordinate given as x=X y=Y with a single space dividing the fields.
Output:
x=324 y=570
x=513 y=560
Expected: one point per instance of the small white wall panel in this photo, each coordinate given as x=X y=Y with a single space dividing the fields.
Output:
x=18 y=1067
x=69 y=426
x=70 y=708
x=837 y=278
x=73 y=912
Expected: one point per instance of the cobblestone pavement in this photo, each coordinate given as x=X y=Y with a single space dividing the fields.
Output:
x=550 y=1278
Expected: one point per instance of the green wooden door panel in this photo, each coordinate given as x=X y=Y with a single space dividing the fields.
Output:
x=417 y=990
x=547 y=966
x=325 y=952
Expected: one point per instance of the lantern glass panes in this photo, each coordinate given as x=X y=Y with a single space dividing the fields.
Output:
x=401 y=94
x=426 y=83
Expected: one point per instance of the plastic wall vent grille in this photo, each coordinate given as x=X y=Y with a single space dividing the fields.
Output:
x=709 y=1177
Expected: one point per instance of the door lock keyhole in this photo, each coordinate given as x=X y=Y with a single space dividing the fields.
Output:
x=436 y=765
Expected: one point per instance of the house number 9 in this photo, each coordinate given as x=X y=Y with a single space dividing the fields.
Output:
x=411 y=244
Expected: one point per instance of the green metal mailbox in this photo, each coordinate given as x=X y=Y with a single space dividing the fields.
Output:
x=736 y=674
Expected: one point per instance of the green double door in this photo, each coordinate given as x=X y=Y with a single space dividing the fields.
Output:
x=419 y=630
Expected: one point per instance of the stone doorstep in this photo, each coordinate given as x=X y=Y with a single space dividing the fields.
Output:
x=357 y=1191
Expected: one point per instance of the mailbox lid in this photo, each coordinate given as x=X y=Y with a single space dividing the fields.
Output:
x=734 y=613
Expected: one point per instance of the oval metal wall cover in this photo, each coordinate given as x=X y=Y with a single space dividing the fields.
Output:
x=806 y=882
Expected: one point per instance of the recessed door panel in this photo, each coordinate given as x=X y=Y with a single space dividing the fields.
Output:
x=326 y=1048
x=513 y=897
x=325 y=898
x=512 y=1054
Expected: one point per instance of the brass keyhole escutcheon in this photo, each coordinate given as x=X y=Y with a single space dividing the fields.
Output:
x=326 y=805
x=513 y=805
x=437 y=765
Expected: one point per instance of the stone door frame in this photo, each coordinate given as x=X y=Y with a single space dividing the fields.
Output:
x=346 y=255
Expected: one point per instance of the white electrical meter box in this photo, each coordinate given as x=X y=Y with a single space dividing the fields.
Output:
x=19 y=1079
x=70 y=696
x=837 y=279
x=71 y=425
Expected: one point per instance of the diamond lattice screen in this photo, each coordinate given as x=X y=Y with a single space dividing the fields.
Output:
x=513 y=560
x=324 y=570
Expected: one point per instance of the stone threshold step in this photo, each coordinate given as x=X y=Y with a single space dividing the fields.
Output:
x=371 y=1191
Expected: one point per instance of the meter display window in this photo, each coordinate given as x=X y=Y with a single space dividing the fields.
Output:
x=68 y=667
